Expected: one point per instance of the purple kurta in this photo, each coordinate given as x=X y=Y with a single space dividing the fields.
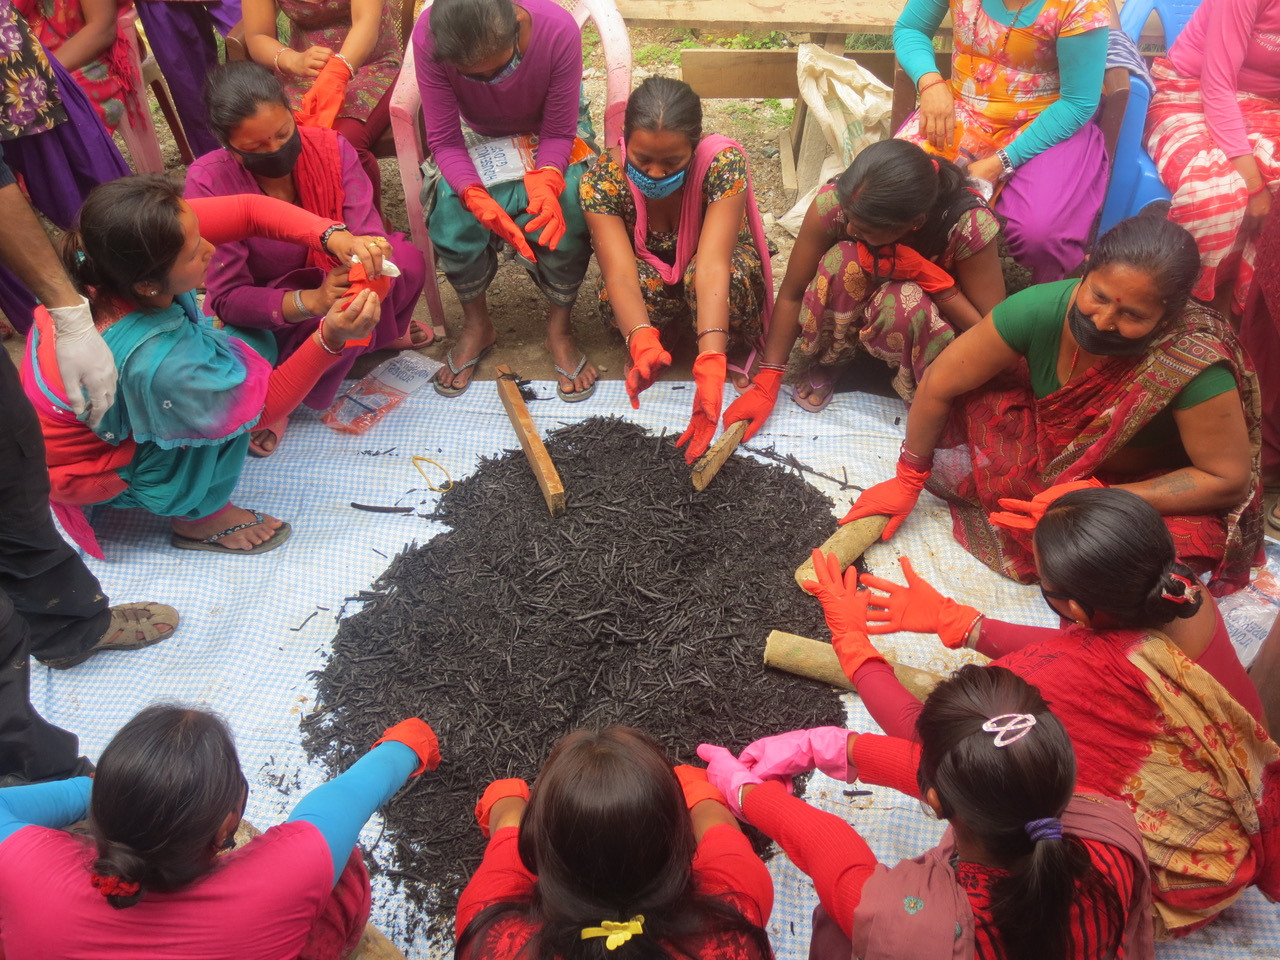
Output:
x=248 y=280
x=540 y=97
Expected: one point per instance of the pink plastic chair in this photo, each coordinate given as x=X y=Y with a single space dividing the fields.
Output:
x=406 y=123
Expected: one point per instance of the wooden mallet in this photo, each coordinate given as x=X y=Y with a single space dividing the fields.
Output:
x=709 y=463
x=544 y=470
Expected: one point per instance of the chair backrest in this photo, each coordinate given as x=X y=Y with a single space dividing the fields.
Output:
x=1174 y=15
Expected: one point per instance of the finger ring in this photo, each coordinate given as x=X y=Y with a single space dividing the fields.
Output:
x=373 y=246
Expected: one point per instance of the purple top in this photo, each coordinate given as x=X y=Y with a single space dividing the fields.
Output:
x=244 y=277
x=541 y=95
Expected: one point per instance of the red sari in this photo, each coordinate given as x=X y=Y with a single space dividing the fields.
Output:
x=1004 y=442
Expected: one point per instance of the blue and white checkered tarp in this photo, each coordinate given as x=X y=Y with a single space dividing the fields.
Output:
x=254 y=627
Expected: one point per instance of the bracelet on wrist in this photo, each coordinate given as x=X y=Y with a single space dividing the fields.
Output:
x=1253 y=193
x=932 y=83
x=634 y=330
x=346 y=63
x=301 y=307
x=276 y=62
x=780 y=367
x=325 y=344
x=914 y=461
x=329 y=232
x=955 y=292
x=707 y=333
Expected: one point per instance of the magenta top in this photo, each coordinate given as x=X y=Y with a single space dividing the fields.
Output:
x=541 y=95
x=1231 y=45
x=244 y=280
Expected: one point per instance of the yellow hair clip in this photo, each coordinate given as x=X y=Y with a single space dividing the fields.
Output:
x=418 y=461
x=617 y=933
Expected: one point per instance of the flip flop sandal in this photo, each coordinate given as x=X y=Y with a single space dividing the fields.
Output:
x=406 y=342
x=459 y=391
x=574 y=396
x=278 y=428
x=283 y=532
x=745 y=370
x=805 y=403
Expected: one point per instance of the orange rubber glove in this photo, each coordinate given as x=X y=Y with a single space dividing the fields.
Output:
x=709 y=371
x=905 y=264
x=492 y=217
x=1025 y=514
x=894 y=498
x=498 y=790
x=844 y=607
x=544 y=187
x=359 y=278
x=322 y=102
x=418 y=736
x=757 y=403
x=917 y=607
x=648 y=360
x=696 y=786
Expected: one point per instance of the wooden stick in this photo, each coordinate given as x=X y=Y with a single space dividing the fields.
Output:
x=818 y=661
x=709 y=464
x=849 y=542
x=544 y=470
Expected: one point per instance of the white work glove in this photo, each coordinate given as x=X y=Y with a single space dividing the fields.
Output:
x=84 y=360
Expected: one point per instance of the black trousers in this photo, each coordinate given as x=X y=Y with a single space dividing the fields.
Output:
x=50 y=604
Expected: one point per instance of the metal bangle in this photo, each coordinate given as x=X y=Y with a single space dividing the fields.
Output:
x=347 y=63
x=324 y=346
x=302 y=307
x=276 y=62
x=639 y=326
x=703 y=333
x=780 y=367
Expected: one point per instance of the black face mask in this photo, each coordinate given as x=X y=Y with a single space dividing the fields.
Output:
x=1105 y=343
x=1066 y=598
x=277 y=163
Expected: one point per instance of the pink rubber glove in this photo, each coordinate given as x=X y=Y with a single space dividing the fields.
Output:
x=917 y=607
x=845 y=608
x=783 y=755
x=756 y=404
x=1025 y=514
x=492 y=217
x=709 y=371
x=894 y=498
x=696 y=786
x=648 y=360
x=417 y=735
x=727 y=774
x=498 y=790
x=544 y=187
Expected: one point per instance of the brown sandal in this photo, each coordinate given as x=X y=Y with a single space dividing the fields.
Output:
x=132 y=627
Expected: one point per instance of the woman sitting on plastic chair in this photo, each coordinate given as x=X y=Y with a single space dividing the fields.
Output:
x=84 y=37
x=680 y=244
x=1026 y=77
x=1213 y=130
x=506 y=70
x=341 y=62
x=281 y=287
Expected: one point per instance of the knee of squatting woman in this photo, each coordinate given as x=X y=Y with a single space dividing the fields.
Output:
x=682 y=251
x=895 y=256
x=174 y=441
x=613 y=856
x=1028 y=869
x=166 y=800
x=283 y=288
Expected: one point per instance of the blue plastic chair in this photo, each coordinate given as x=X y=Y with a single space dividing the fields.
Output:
x=1134 y=180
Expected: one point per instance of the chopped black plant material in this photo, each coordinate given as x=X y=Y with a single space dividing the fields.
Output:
x=647 y=603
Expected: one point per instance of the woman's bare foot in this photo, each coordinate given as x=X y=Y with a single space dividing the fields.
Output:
x=476 y=337
x=565 y=352
x=225 y=519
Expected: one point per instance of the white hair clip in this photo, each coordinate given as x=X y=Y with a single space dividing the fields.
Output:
x=1009 y=727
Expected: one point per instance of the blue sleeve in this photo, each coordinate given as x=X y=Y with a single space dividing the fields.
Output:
x=913 y=36
x=1082 y=60
x=340 y=808
x=57 y=804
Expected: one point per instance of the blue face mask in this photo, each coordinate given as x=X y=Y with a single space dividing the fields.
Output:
x=655 y=189
x=502 y=72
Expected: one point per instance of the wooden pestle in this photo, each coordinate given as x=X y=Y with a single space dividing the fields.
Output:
x=849 y=542
x=817 y=661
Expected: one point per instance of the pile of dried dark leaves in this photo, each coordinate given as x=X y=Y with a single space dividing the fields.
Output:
x=646 y=604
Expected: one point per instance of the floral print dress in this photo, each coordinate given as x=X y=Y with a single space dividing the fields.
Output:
x=31 y=102
x=325 y=23
x=605 y=190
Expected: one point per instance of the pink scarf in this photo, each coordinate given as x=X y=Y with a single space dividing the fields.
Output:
x=691 y=209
